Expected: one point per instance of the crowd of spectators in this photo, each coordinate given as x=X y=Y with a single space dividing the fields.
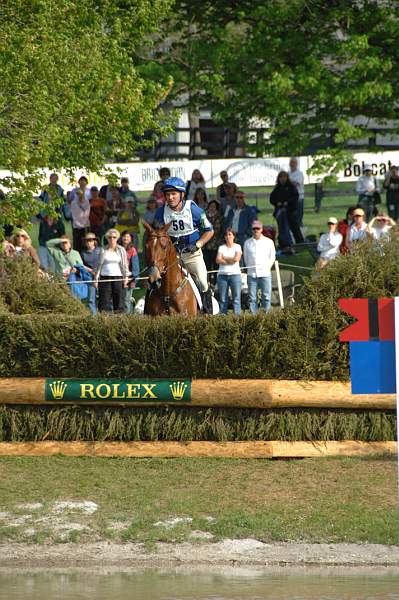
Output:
x=101 y=259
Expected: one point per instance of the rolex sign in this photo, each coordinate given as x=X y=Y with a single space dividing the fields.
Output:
x=116 y=390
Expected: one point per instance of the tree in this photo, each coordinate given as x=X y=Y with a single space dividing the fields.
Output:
x=308 y=69
x=71 y=95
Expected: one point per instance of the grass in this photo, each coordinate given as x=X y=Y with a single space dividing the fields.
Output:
x=313 y=500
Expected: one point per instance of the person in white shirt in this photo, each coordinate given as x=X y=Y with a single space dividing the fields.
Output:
x=82 y=187
x=229 y=273
x=358 y=230
x=369 y=192
x=329 y=243
x=80 y=212
x=379 y=227
x=296 y=177
x=259 y=256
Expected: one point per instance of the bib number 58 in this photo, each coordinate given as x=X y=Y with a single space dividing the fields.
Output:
x=178 y=225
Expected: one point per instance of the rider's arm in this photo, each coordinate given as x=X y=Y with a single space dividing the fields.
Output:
x=204 y=226
x=205 y=237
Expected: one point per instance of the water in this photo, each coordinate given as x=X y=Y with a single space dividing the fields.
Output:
x=182 y=584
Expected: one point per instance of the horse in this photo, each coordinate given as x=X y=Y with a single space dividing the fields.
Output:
x=170 y=291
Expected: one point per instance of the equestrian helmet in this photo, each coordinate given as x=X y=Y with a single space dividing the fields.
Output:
x=174 y=183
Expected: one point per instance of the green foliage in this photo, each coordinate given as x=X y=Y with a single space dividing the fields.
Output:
x=305 y=69
x=71 y=95
x=23 y=291
x=187 y=424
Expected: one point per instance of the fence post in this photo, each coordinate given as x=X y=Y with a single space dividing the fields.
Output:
x=279 y=286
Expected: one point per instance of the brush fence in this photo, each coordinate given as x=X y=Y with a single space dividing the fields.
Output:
x=223 y=393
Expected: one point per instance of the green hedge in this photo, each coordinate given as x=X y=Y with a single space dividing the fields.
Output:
x=184 y=424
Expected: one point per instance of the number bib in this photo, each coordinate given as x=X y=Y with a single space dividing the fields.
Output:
x=182 y=222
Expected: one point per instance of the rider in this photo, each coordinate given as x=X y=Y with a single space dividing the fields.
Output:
x=189 y=229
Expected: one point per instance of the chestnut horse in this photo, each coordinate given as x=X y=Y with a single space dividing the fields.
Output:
x=170 y=291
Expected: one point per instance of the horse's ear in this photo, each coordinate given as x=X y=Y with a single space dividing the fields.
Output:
x=147 y=226
x=165 y=228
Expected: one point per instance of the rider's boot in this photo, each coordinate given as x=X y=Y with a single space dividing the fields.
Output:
x=207 y=305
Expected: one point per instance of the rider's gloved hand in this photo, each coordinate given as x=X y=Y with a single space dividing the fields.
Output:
x=191 y=249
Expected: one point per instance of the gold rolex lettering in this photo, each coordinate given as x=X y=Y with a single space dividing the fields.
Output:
x=87 y=390
x=106 y=393
x=133 y=390
x=148 y=390
x=115 y=391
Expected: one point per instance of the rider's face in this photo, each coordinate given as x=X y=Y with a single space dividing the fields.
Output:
x=172 y=199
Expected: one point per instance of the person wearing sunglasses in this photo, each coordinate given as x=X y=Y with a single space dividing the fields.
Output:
x=112 y=275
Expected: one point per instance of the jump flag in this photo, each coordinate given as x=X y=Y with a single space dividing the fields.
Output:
x=371 y=344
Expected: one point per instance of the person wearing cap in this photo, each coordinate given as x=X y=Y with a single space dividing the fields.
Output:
x=91 y=259
x=368 y=190
x=380 y=226
x=259 y=256
x=65 y=258
x=391 y=184
x=190 y=230
x=358 y=230
x=329 y=243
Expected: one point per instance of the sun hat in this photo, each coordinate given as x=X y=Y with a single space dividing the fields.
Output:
x=332 y=220
x=367 y=168
x=90 y=236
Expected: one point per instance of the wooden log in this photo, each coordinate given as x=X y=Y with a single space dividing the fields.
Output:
x=238 y=393
x=272 y=449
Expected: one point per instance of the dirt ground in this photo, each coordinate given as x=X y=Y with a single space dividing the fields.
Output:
x=247 y=552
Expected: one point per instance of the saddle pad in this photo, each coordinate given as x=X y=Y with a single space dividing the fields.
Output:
x=195 y=290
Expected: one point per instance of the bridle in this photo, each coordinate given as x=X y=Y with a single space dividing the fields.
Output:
x=166 y=297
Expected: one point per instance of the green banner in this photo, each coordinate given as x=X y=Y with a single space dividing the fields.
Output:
x=118 y=390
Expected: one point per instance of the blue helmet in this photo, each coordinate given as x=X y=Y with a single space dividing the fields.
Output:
x=174 y=183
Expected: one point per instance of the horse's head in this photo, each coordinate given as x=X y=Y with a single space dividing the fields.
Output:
x=157 y=251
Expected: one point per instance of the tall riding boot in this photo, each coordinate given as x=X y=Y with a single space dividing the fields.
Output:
x=207 y=306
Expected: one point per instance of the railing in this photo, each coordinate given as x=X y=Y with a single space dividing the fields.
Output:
x=215 y=141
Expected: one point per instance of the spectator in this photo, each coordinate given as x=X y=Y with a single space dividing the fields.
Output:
x=221 y=189
x=126 y=193
x=23 y=246
x=157 y=192
x=211 y=248
x=106 y=191
x=284 y=198
x=369 y=193
x=149 y=216
x=80 y=211
x=358 y=230
x=91 y=260
x=129 y=218
x=240 y=219
x=65 y=258
x=53 y=194
x=49 y=229
x=296 y=177
x=112 y=275
x=343 y=227
x=114 y=205
x=201 y=198
x=7 y=249
x=228 y=201
x=259 y=256
x=197 y=181
x=329 y=243
x=126 y=241
x=229 y=274
x=83 y=182
x=97 y=216
x=380 y=226
x=391 y=184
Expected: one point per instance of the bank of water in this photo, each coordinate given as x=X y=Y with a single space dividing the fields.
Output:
x=183 y=584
